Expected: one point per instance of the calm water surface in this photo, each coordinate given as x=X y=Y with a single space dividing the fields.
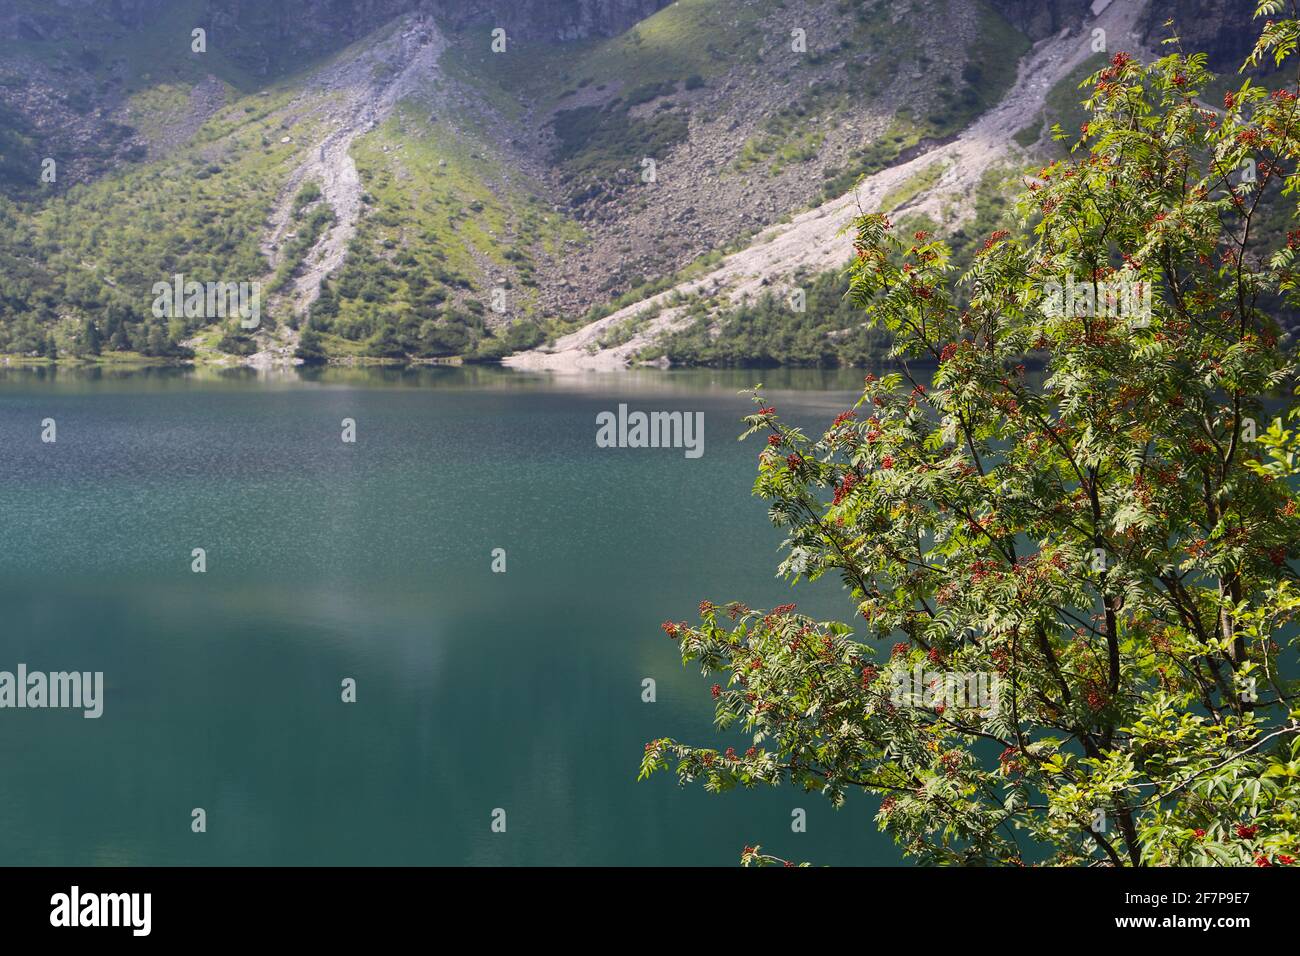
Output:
x=372 y=561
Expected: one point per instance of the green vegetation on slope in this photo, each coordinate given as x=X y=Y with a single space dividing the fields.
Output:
x=439 y=230
x=94 y=254
x=20 y=160
x=829 y=332
x=595 y=143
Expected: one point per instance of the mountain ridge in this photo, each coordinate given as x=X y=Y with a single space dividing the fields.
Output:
x=817 y=241
x=421 y=194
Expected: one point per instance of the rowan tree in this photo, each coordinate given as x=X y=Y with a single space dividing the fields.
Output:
x=1096 y=505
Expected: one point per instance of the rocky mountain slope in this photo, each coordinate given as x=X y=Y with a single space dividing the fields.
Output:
x=407 y=183
x=817 y=241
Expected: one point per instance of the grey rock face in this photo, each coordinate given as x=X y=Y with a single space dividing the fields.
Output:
x=1225 y=29
x=1042 y=18
x=313 y=26
x=69 y=19
x=259 y=30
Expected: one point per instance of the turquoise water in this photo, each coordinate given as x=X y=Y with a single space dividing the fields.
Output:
x=372 y=561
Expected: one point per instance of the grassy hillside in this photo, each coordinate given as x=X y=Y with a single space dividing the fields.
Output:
x=94 y=254
x=20 y=156
x=439 y=228
x=440 y=234
x=476 y=203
